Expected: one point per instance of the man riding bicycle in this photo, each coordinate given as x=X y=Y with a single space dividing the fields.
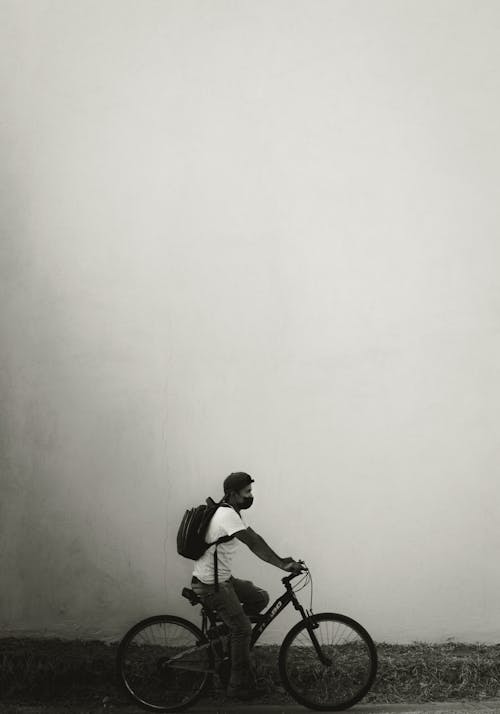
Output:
x=235 y=599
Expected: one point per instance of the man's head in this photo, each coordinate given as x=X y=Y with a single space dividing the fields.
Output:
x=238 y=490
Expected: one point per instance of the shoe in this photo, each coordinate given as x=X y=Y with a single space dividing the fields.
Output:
x=245 y=693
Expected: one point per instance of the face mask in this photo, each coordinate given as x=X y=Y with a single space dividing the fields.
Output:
x=247 y=502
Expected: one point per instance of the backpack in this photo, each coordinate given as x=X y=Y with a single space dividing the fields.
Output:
x=192 y=530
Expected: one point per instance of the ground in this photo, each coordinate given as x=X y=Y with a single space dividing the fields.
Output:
x=53 y=676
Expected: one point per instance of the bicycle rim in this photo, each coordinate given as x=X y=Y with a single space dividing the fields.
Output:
x=161 y=664
x=335 y=686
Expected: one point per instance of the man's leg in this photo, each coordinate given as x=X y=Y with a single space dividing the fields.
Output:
x=253 y=598
x=228 y=607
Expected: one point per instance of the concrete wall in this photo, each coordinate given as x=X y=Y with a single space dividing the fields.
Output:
x=255 y=236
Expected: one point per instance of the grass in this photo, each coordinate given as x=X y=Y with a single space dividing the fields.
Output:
x=430 y=672
x=34 y=671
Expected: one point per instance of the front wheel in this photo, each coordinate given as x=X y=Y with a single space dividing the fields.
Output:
x=348 y=668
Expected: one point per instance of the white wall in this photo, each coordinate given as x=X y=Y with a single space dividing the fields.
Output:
x=255 y=236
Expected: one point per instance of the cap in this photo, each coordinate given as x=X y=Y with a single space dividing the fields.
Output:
x=237 y=481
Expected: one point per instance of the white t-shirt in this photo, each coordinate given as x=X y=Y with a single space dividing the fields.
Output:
x=225 y=521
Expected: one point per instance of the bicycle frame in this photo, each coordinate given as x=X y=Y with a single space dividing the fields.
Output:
x=272 y=612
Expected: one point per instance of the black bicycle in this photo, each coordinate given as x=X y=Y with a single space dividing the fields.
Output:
x=327 y=661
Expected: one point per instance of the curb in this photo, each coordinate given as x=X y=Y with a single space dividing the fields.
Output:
x=492 y=705
x=486 y=706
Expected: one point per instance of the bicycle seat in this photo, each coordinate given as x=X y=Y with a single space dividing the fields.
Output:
x=191 y=596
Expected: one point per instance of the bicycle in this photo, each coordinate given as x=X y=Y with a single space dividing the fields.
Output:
x=327 y=661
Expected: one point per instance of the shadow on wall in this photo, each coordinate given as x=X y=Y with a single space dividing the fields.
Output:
x=66 y=529
x=63 y=590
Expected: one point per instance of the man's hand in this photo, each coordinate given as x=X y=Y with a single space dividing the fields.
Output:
x=291 y=565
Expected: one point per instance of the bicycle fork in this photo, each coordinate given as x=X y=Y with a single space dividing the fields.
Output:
x=311 y=625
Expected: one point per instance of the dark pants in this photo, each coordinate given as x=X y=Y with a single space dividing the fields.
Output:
x=233 y=603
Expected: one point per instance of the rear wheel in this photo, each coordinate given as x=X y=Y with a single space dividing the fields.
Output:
x=347 y=676
x=164 y=663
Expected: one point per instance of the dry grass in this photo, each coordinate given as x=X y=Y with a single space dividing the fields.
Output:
x=54 y=670
x=428 y=672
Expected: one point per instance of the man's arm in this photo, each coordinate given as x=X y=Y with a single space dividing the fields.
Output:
x=258 y=545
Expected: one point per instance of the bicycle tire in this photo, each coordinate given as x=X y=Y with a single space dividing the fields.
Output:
x=297 y=631
x=121 y=659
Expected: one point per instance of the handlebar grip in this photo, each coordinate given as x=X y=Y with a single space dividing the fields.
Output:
x=294 y=574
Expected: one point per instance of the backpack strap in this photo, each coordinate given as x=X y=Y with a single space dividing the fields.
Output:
x=216 y=569
x=222 y=539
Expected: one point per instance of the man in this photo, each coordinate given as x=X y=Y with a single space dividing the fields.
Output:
x=236 y=598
